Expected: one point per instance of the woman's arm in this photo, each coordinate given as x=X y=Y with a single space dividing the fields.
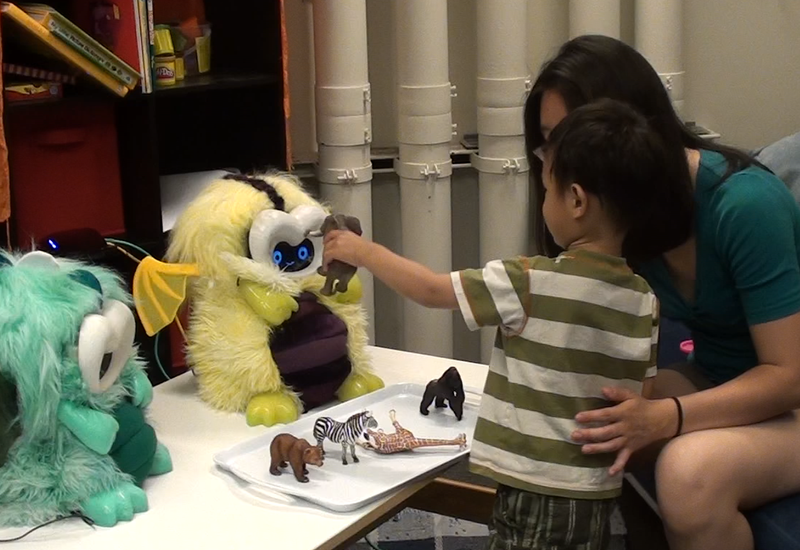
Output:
x=404 y=276
x=765 y=391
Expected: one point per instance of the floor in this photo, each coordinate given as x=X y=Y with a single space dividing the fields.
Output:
x=416 y=530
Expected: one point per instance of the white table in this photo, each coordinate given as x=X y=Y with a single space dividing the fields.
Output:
x=199 y=507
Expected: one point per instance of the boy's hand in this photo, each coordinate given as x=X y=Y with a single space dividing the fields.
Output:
x=344 y=246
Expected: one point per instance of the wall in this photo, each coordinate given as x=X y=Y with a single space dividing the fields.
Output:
x=742 y=61
x=743 y=68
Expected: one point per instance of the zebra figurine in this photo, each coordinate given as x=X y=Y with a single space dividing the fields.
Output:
x=346 y=432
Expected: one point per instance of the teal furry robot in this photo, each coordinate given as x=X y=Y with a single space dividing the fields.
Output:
x=73 y=435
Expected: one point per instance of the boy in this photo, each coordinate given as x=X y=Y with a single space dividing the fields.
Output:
x=567 y=327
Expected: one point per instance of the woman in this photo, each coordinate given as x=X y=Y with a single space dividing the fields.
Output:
x=733 y=277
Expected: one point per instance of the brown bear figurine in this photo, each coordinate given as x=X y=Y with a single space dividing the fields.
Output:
x=298 y=452
x=338 y=270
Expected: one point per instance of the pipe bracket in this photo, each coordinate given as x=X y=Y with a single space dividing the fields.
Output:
x=509 y=167
x=343 y=131
x=343 y=100
x=344 y=176
x=425 y=100
x=673 y=82
x=425 y=130
x=503 y=92
x=423 y=171
x=501 y=121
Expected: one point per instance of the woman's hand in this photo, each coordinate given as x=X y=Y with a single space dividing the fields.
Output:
x=344 y=246
x=632 y=424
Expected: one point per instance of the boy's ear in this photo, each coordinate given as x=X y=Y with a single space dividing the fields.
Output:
x=577 y=200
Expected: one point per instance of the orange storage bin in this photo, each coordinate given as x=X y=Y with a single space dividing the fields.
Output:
x=64 y=170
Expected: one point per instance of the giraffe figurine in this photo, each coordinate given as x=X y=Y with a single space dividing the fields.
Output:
x=404 y=440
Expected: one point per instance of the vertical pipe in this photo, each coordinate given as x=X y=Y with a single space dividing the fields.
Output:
x=659 y=37
x=343 y=117
x=503 y=83
x=594 y=17
x=425 y=131
x=548 y=28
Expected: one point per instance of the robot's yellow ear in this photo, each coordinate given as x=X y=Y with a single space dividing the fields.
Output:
x=159 y=289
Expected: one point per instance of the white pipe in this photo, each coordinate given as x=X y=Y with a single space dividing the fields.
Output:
x=425 y=130
x=344 y=119
x=595 y=17
x=503 y=83
x=548 y=28
x=659 y=37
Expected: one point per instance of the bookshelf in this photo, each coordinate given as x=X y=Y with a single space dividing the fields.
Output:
x=232 y=117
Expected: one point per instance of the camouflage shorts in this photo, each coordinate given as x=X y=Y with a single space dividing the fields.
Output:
x=529 y=521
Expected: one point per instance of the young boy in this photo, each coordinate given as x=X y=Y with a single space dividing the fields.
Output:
x=567 y=327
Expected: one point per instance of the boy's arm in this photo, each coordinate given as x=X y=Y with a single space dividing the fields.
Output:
x=404 y=276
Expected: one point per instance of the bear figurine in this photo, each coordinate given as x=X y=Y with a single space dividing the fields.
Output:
x=297 y=452
x=338 y=274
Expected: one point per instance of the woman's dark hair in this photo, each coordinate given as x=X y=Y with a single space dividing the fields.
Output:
x=591 y=67
x=612 y=152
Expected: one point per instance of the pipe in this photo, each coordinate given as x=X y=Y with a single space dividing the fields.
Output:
x=548 y=28
x=425 y=130
x=594 y=17
x=343 y=118
x=503 y=84
x=659 y=37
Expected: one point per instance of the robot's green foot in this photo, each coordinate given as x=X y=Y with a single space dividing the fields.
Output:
x=120 y=504
x=357 y=385
x=271 y=408
x=162 y=462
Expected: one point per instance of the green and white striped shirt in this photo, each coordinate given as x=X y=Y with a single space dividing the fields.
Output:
x=567 y=327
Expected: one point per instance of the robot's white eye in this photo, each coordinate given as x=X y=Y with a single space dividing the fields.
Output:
x=287 y=240
x=105 y=344
x=38 y=259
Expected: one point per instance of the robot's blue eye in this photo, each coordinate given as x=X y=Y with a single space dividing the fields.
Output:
x=293 y=258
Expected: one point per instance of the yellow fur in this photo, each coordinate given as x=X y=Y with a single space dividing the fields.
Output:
x=228 y=344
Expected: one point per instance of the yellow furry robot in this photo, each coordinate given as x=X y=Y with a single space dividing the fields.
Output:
x=261 y=337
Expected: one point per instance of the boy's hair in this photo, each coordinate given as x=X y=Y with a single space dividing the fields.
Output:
x=611 y=151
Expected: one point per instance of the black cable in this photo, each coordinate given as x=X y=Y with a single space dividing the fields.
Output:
x=85 y=519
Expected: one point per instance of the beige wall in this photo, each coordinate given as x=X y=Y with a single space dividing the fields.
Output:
x=742 y=59
x=743 y=68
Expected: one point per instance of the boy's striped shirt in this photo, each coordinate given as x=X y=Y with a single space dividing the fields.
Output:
x=567 y=328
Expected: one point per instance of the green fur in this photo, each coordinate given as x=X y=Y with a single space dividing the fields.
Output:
x=48 y=472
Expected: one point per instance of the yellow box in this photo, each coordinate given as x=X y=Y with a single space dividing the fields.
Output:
x=162 y=41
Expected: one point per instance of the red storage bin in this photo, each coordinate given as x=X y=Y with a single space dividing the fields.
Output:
x=64 y=170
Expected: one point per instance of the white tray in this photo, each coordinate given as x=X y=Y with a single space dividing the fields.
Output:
x=344 y=488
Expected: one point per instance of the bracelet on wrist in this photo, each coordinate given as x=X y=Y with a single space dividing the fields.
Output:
x=680 y=416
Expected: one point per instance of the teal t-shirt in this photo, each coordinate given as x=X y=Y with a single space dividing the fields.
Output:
x=748 y=265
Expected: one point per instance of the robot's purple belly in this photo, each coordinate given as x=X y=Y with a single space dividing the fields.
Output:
x=310 y=350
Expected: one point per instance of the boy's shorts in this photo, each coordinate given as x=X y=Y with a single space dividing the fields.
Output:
x=529 y=521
